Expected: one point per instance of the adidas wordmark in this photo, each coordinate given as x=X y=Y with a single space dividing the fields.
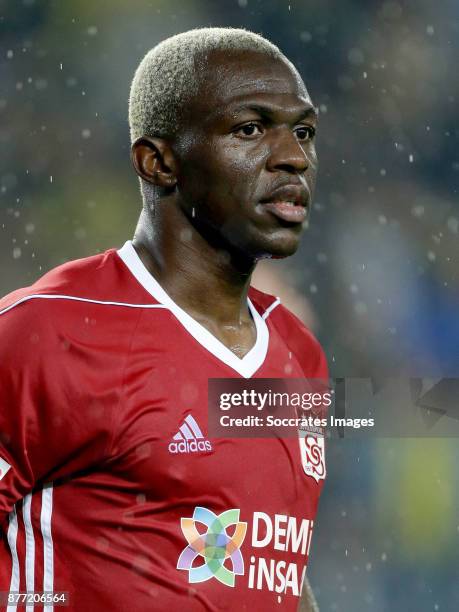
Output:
x=189 y=438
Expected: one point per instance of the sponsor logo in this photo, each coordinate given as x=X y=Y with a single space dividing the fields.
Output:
x=189 y=438
x=216 y=552
x=219 y=551
x=4 y=467
x=312 y=450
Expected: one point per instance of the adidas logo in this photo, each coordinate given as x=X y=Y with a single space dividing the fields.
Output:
x=189 y=438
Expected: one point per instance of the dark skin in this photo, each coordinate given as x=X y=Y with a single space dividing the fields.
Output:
x=249 y=133
x=247 y=138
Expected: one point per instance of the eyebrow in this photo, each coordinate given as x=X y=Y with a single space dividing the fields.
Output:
x=268 y=110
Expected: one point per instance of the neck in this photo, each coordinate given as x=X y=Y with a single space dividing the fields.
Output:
x=206 y=281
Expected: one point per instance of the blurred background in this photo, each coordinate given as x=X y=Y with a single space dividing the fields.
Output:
x=376 y=277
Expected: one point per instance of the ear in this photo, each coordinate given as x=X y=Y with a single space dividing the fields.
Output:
x=154 y=161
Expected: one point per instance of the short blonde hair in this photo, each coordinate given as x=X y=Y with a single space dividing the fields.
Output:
x=167 y=76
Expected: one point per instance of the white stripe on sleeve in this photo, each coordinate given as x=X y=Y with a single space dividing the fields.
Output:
x=12 y=539
x=30 y=547
x=48 y=553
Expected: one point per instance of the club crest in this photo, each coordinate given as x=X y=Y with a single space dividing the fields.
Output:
x=312 y=450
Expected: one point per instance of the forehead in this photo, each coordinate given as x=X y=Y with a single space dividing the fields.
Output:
x=231 y=76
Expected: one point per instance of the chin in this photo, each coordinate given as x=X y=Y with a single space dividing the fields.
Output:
x=281 y=255
x=275 y=253
x=279 y=247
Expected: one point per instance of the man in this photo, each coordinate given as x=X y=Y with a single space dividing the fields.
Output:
x=111 y=489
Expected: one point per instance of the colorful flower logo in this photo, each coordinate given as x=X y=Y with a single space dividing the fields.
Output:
x=220 y=552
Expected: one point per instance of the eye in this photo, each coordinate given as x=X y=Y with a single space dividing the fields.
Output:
x=305 y=133
x=248 y=130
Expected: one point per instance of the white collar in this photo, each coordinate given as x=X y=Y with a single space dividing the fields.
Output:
x=245 y=366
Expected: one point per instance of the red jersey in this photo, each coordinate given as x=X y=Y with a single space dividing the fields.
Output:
x=110 y=488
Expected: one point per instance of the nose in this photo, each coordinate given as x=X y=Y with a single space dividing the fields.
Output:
x=287 y=154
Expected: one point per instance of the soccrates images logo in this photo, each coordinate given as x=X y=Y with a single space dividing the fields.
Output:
x=213 y=553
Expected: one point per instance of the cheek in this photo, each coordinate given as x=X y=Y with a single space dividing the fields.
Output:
x=241 y=156
x=239 y=167
x=222 y=169
x=313 y=160
x=311 y=172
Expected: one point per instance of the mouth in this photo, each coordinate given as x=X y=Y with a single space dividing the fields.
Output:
x=287 y=211
x=289 y=203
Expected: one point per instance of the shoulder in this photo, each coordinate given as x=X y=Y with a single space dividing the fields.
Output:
x=299 y=339
x=90 y=278
x=102 y=278
x=70 y=298
x=33 y=309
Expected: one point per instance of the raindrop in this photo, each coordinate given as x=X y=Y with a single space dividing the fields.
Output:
x=185 y=234
x=360 y=308
x=355 y=56
x=417 y=211
x=453 y=224
x=306 y=36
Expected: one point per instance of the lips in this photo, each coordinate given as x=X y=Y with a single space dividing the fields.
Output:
x=288 y=203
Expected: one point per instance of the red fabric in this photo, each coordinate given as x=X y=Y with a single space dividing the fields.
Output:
x=91 y=397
